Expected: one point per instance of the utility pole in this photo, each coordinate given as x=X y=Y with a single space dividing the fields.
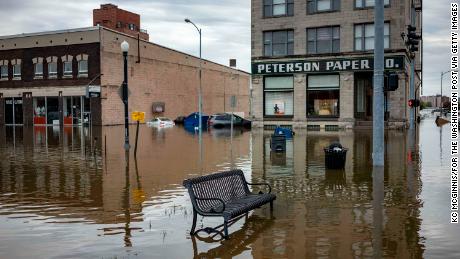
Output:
x=412 y=71
x=378 y=146
x=124 y=48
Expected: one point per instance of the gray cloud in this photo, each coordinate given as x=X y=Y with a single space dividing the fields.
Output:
x=225 y=24
x=436 y=45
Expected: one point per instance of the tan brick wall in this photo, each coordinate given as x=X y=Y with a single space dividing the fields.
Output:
x=347 y=100
x=397 y=14
x=165 y=75
x=348 y=16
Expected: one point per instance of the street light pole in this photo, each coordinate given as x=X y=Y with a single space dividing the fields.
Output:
x=200 y=101
x=378 y=146
x=442 y=75
x=124 y=48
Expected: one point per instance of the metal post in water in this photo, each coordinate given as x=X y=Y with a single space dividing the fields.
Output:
x=125 y=48
x=378 y=146
x=377 y=208
x=137 y=136
x=200 y=100
x=105 y=145
x=412 y=76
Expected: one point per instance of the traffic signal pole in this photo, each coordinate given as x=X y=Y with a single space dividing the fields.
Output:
x=378 y=146
x=412 y=77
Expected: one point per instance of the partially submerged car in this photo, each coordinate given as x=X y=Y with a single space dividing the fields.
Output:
x=222 y=120
x=160 y=122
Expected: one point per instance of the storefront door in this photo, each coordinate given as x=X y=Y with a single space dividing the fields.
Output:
x=13 y=111
x=363 y=96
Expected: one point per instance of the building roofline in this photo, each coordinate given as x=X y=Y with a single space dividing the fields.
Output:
x=23 y=35
x=161 y=46
x=93 y=28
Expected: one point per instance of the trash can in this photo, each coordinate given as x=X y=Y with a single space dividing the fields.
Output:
x=278 y=143
x=335 y=156
x=283 y=131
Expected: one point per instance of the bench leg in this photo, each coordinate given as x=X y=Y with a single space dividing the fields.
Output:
x=192 y=231
x=225 y=229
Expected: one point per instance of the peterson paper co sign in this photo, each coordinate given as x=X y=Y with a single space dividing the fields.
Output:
x=335 y=65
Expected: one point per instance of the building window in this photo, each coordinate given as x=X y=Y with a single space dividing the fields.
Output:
x=17 y=71
x=323 y=40
x=274 y=8
x=279 y=96
x=38 y=68
x=364 y=36
x=278 y=43
x=83 y=68
x=369 y=3
x=67 y=68
x=119 y=25
x=131 y=26
x=323 y=96
x=4 y=72
x=317 y=6
x=52 y=70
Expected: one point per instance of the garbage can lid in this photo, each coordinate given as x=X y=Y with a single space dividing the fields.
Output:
x=336 y=146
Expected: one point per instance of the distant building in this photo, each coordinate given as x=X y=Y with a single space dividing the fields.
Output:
x=110 y=16
x=435 y=100
x=312 y=62
x=73 y=77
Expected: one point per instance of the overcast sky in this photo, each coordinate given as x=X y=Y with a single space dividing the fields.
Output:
x=226 y=26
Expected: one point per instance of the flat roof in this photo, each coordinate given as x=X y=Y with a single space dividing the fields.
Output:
x=23 y=35
x=93 y=28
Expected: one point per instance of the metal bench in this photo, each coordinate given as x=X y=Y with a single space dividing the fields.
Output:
x=224 y=194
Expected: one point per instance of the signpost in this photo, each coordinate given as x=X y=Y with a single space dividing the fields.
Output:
x=137 y=117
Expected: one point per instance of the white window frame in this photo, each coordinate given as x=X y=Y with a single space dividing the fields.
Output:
x=52 y=74
x=67 y=73
x=16 y=75
x=82 y=73
x=40 y=74
x=286 y=89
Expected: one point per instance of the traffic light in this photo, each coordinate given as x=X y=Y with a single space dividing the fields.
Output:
x=412 y=38
x=391 y=82
x=413 y=103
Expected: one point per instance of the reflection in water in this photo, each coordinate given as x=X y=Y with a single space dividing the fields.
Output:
x=77 y=189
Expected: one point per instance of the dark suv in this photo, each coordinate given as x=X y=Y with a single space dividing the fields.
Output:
x=222 y=120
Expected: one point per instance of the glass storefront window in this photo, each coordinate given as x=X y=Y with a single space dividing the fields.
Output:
x=39 y=110
x=323 y=96
x=279 y=96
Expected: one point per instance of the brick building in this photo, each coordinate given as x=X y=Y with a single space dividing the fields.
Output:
x=110 y=16
x=73 y=77
x=312 y=62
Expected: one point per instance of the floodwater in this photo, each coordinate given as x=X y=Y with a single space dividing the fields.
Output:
x=73 y=193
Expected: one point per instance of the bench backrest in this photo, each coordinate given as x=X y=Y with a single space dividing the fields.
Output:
x=226 y=186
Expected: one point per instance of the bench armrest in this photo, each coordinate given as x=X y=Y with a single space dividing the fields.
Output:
x=213 y=199
x=269 y=187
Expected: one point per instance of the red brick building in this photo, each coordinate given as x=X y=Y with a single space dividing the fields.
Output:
x=73 y=77
x=110 y=16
